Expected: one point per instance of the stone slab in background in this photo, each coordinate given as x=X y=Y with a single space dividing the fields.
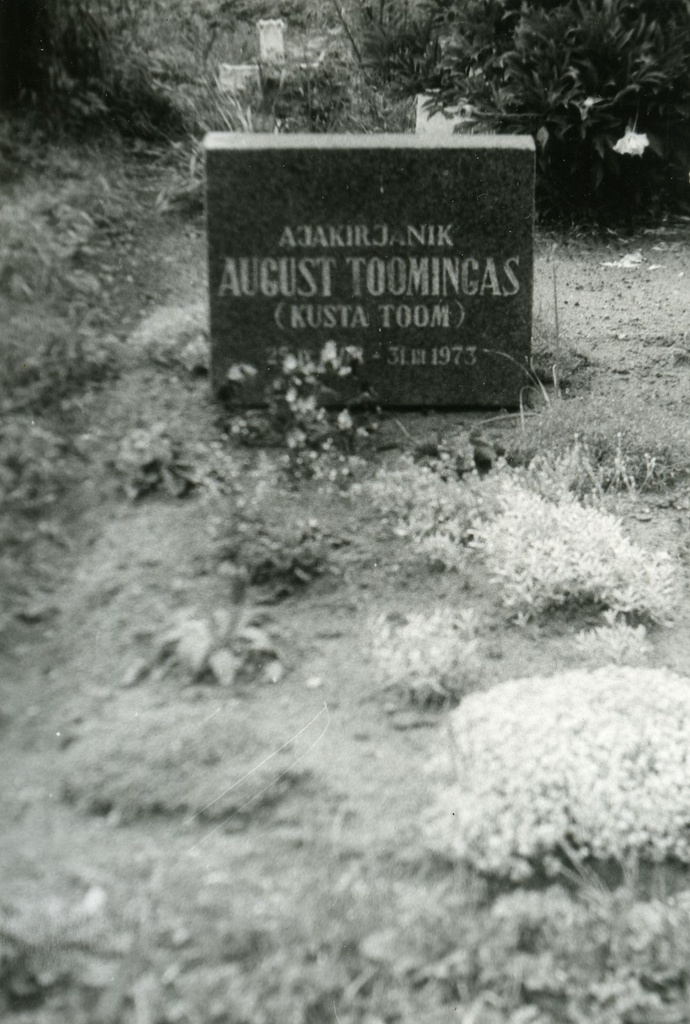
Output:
x=237 y=78
x=418 y=250
x=440 y=122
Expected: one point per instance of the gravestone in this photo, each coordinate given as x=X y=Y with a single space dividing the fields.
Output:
x=440 y=122
x=415 y=250
x=271 y=42
x=238 y=78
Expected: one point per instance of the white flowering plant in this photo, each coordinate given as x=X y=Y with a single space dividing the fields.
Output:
x=429 y=658
x=296 y=413
x=548 y=554
x=541 y=546
x=435 y=512
x=580 y=765
x=616 y=642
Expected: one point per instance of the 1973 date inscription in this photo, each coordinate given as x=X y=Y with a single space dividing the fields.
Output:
x=443 y=355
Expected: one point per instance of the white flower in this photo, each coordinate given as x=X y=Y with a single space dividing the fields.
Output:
x=632 y=143
x=296 y=439
x=239 y=372
x=355 y=353
x=344 y=421
x=329 y=353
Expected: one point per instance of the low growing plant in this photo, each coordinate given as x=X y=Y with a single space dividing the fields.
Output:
x=58 y=371
x=541 y=546
x=182 y=757
x=33 y=465
x=274 y=554
x=296 y=411
x=150 y=459
x=232 y=645
x=430 y=658
x=436 y=512
x=614 y=643
x=611 y=445
x=581 y=765
x=553 y=955
x=547 y=554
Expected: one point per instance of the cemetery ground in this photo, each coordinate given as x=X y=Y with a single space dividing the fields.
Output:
x=214 y=793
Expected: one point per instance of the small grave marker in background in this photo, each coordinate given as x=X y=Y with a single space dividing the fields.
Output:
x=271 y=41
x=237 y=78
x=440 y=122
x=418 y=250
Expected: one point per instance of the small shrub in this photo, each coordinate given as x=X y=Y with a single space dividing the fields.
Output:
x=398 y=43
x=547 y=554
x=149 y=459
x=33 y=467
x=430 y=658
x=589 y=762
x=614 y=643
x=58 y=371
x=293 y=556
x=434 y=512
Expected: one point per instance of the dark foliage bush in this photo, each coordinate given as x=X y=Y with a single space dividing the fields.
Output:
x=83 y=63
x=576 y=74
x=399 y=42
x=311 y=99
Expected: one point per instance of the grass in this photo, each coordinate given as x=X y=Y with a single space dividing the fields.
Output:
x=187 y=758
x=628 y=447
x=446 y=954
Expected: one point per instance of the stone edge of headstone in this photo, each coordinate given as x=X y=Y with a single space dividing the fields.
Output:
x=219 y=141
x=443 y=122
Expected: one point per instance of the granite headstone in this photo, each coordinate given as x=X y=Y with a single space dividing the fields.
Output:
x=416 y=250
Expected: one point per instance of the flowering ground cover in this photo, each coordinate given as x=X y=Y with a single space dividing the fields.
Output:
x=584 y=764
